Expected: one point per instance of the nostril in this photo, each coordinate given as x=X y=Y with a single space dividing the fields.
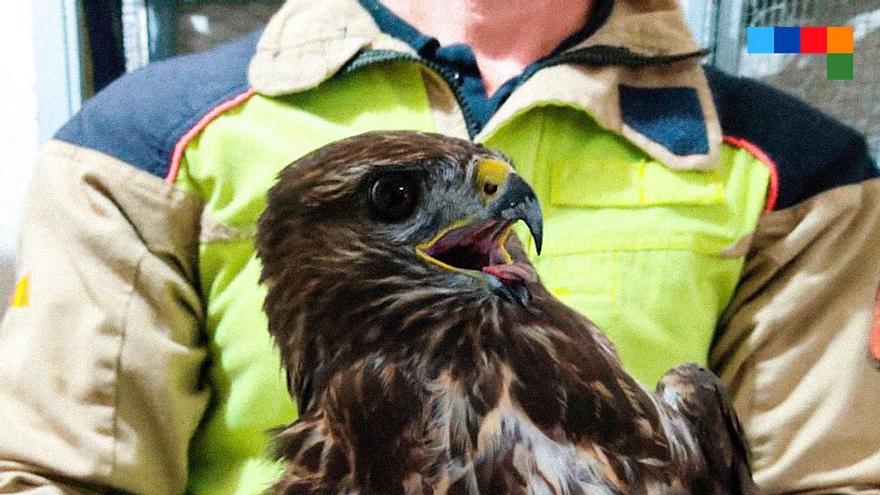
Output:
x=490 y=188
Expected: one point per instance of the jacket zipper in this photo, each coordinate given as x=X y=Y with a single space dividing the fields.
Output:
x=372 y=57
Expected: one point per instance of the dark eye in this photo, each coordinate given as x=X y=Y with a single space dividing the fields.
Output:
x=393 y=197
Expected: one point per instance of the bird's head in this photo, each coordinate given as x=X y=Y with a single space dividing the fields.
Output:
x=385 y=242
x=387 y=211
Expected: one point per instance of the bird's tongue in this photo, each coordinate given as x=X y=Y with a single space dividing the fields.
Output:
x=511 y=272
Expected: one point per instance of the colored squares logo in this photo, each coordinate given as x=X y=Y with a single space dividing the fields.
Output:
x=834 y=42
x=840 y=40
x=814 y=40
x=760 y=39
x=840 y=66
x=786 y=40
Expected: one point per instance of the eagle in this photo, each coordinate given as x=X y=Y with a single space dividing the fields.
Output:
x=426 y=357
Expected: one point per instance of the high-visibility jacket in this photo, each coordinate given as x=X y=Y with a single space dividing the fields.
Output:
x=692 y=215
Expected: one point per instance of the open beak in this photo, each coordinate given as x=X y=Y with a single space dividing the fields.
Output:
x=518 y=202
x=475 y=246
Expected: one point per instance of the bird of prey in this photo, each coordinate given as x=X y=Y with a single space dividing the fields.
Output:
x=427 y=358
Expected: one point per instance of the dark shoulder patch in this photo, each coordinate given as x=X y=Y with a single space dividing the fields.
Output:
x=812 y=152
x=140 y=117
x=670 y=116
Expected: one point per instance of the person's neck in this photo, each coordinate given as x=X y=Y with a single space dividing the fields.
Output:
x=505 y=35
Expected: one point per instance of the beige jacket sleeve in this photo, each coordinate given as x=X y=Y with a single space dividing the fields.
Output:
x=793 y=346
x=100 y=363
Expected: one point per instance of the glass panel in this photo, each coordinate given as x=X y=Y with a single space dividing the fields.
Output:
x=157 y=29
x=201 y=25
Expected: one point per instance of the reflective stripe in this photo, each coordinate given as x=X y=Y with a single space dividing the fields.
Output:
x=200 y=125
x=773 y=191
x=874 y=336
x=20 y=297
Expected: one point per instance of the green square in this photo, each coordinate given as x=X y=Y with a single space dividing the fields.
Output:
x=840 y=66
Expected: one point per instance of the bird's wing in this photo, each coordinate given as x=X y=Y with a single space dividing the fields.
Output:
x=309 y=451
x=697 y=394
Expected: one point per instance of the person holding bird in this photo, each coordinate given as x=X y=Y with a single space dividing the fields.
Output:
x=693 y=216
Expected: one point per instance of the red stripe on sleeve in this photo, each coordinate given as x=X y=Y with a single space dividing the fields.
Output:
x=773 y=191
x=874 y=336
x=182 y=143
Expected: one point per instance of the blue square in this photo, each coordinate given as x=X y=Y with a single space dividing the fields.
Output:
x=760 y=39
x=786 y=40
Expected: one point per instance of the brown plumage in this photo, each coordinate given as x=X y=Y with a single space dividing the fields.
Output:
x=425 y=359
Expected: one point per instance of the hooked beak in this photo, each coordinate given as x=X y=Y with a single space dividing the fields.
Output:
x=476 y=246
x=518 y=202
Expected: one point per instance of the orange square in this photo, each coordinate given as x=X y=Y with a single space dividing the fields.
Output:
x=840 y=39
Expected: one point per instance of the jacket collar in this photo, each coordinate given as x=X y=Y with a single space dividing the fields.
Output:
x=306 y=43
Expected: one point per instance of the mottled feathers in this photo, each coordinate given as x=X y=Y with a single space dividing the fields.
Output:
x=427 y=358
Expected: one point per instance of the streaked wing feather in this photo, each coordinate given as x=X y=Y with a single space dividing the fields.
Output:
x=699 y=396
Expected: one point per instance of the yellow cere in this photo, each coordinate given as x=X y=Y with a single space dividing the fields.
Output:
x=490 y=171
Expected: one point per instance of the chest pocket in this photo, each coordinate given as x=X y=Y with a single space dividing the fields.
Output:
x=642 y=205
x=610 y=183
x=640 y=249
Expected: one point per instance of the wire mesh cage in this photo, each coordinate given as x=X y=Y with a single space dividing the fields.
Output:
x=782 y=12
x=855 y=102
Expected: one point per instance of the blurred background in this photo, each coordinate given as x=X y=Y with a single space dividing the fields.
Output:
x=60 y=52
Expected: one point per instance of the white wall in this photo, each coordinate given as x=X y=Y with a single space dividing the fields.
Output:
x=18 y=129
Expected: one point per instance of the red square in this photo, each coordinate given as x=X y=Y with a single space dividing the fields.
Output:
x=814 y=40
